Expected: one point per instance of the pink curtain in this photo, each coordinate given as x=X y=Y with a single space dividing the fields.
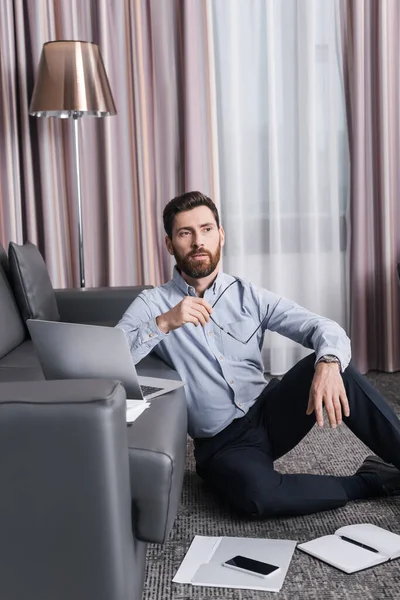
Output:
x=370 y=41
x=158 y=145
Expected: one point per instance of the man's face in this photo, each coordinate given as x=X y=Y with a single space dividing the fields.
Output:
x=196 y=242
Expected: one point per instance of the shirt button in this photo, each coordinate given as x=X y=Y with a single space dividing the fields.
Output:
x=231 y=381
x=239 y=404
x=220 y=357
x=151 y=334
x=210 y=333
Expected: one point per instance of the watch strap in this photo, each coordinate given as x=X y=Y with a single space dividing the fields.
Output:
x=329 y=358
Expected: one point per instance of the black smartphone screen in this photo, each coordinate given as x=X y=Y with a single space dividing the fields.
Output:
x=252 y=565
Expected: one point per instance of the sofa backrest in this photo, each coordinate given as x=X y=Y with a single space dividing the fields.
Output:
x=12 y=329
x=3 y=260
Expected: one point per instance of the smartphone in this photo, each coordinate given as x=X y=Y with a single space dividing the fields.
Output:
x=249 y=565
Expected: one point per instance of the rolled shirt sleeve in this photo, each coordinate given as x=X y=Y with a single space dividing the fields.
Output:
x=141 y=329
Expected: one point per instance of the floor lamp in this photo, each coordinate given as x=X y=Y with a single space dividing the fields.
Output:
x=72 y=83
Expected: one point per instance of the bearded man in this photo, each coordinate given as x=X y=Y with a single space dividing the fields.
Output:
x=209 y=326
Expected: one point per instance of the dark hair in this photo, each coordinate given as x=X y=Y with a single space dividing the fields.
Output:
x=184 y=202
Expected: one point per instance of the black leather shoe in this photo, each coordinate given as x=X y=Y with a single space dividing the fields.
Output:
x=388 y=474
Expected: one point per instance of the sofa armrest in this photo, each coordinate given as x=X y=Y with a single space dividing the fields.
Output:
x=157 y=451
x=65 y=504
x=102 y=306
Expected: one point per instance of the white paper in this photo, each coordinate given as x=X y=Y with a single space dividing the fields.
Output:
x=134 y=409
x=202 y=564
x=200 y=551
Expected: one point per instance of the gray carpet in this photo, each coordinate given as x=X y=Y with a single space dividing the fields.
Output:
x=322 y=451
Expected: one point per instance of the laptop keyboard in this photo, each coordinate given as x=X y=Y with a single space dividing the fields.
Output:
x=148 y=389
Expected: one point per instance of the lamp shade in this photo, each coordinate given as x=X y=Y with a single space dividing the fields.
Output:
x=71 y=81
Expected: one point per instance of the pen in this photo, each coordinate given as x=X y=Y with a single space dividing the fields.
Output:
x=346 y=539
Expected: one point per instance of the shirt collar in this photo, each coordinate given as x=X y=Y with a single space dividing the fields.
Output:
x=187 y=290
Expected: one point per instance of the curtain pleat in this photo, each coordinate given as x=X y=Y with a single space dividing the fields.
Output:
x=371 y=53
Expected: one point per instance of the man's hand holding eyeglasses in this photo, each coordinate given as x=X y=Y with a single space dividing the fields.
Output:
x=190 y=310
x=327 y=390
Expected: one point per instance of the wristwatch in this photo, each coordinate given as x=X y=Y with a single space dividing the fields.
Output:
x=329 y=358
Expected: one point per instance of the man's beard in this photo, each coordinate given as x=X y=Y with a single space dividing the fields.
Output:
x=198 y=268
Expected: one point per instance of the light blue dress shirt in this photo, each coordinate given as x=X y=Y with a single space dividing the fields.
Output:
x=224 y=376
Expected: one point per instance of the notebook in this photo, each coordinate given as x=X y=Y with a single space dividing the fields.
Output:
x=76 y=351
x=355 y=547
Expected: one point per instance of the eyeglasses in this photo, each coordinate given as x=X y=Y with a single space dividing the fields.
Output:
x=228 y=332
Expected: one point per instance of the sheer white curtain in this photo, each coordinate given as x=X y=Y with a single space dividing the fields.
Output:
x=283 y=154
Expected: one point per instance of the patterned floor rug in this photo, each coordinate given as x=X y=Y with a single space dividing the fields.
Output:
x=322 y=451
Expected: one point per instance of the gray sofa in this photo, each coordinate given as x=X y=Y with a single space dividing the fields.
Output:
x=81 y=494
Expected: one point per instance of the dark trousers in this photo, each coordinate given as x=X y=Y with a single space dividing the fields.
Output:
x=238 y=462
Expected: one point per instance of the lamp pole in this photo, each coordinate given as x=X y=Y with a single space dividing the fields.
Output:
x=75 y=118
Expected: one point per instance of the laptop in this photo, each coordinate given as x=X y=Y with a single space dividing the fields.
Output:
x=76 y=351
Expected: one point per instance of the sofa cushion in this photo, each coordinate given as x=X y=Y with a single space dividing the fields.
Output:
x=23 y=356
x=20 y=374
x=31 y=283
x=21 y=364
x=11 y=327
